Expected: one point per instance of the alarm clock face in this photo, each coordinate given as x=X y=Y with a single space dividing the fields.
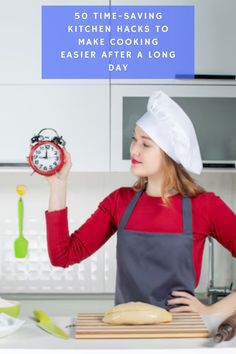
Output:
x=46 y=158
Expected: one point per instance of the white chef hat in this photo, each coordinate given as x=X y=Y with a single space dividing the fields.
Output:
x=169 y=126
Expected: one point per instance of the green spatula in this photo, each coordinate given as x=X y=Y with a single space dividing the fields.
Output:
x=20 y=244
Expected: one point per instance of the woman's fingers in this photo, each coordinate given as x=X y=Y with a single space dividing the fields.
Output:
x=190 y=302
x=181 y=309
x=67 y=156
x=183 y=294
x=62 y=175
x=178 y=301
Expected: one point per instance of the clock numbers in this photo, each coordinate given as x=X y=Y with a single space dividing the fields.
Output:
x=46 y=157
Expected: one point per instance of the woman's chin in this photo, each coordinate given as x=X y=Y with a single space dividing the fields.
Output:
x=136 y=173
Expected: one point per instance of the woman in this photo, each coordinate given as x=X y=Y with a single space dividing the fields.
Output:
x=161 y=223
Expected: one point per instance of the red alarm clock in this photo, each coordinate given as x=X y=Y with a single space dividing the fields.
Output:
x=46 y=155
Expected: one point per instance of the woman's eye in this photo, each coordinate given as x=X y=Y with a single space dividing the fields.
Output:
x=144 y=144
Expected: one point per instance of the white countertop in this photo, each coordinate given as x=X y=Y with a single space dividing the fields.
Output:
x=29 y=336
x=32 y=337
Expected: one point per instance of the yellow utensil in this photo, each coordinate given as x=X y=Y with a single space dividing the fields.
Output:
x=48 y=325
x=20 y=189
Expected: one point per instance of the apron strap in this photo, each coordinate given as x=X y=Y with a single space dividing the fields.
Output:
x=186 y=213
x=129 y=210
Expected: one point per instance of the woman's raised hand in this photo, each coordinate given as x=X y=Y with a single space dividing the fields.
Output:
x=63 y=174
x=58 y=185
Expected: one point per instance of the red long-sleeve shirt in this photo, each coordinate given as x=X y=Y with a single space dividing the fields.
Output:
x=210 y=216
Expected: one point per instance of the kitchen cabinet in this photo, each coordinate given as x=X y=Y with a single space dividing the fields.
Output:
x=79 y=113
x=20 y=38
x=215 y=45
x=77 y=109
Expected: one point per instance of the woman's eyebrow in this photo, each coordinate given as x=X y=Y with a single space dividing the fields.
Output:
x=143 y=136
x=146 y=137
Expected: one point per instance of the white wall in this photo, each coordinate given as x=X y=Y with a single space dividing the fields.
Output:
x=34 y=274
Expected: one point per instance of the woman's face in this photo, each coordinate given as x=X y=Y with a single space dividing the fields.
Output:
x=146 y=157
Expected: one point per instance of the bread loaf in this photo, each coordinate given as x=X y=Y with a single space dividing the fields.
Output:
x=136 y=313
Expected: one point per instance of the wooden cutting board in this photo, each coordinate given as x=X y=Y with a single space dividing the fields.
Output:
x=183 y=325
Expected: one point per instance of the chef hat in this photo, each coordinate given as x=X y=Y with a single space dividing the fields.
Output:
x=172 y=130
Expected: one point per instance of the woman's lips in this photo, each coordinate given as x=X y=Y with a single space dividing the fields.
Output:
x=134 y=162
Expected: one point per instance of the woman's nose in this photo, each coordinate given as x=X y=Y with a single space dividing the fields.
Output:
x=134 y=149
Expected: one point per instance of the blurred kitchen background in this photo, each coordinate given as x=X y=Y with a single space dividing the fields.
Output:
x=96 y=117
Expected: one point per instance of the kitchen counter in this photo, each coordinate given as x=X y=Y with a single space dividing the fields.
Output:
x=32 y=337
x=29 y=336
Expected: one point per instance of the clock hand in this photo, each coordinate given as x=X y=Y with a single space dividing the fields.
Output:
x=43 y=157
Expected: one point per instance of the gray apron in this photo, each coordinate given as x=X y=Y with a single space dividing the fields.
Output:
x=150 y=265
